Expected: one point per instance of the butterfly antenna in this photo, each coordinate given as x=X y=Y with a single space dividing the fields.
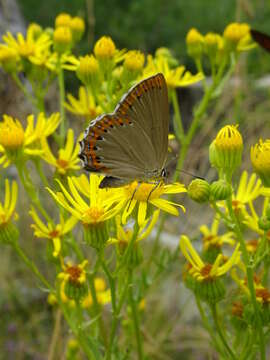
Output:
x=190 y=174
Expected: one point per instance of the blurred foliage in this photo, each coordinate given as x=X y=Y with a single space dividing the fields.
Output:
x=149 y=24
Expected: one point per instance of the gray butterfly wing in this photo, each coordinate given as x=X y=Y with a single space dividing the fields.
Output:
x=132 y=142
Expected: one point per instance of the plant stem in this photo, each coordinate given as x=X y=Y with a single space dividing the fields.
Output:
x=24 y=89
x=31 y=191
x=135 y=316
x=31 y=266
x=177 y=116
x=250 y=274
x=220 y=332
x=61 y=84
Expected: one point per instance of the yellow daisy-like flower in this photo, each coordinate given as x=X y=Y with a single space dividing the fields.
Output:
x=174 y=77
x=134 y=60
x=52 y=231
x=73 y=285
x=237 y=36
x=7 y=209
x=211 y=238
x=124 y=235
x=84 y=106
x=15 y=142
x=103 y=294
x=203 y=271
x=8 y=232
x=260 y=159
x=98 y=207
x=29 y=46
x=262 y=293
x=67 y=159
x=8 y=58
x=248 y=190
x=145 y=194
x=43 y=127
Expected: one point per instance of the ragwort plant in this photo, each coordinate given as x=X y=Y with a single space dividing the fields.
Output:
x=95 y=241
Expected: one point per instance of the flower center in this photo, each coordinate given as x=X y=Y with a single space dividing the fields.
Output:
x=26 y=49
x=144 y=192
x=54 y=234
x=74 y=273
x=205 y=271
x=264 y=294
x=62 y=163
x=93 y=215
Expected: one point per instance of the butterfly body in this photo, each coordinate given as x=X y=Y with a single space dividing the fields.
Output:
x=131 y=143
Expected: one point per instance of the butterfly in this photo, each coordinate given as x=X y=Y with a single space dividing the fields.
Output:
x=262 y=39
x=132 y=142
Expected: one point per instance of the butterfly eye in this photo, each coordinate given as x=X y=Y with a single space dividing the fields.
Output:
x=100 y=138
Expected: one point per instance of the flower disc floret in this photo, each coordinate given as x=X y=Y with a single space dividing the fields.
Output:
x=134 y=60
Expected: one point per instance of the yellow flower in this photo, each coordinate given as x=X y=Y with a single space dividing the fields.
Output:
x=14 y=141
x=134 y=60
x=84 y=106
x=123 y=236
x=52 y=231
x=211 y=238
x=237 y=36
x=8 y=58
x=67 y=159
x=225 y=152
x=260 y=159
x=7 y=209
x=248 y=190
x=73 y=284
x=8 y=232
x=204 y=271
x=77 y=27
x=98 y=207
x=62 y=38
x=63 y=19
x=194 y=41
x=29 y=46
x=145 y=194
x=262 y=293
x=103 y=295
x=44 y=126
x=174 y=77
x=104 y=48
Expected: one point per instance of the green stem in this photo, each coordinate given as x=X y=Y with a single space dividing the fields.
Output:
x=177 y=116
x=135 y=317
x=220 y=332
x=31 y=266
x=250 y=275
x=207 y=325
x=24 y=89
x=31 y=191
x=97 y=309
x=61 y=84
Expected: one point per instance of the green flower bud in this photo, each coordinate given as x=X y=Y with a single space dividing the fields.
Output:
x=220 y=190
x=225 y=152
x=210 y=291
x=96 y=235
x=9 y=234
x=194 y=41
x=199 y=190
x=76 y=291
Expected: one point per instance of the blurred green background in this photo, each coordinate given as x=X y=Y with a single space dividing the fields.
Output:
x=149 y=24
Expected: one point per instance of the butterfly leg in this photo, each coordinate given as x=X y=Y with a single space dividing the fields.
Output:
x=153 y=189
x=133 y=194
